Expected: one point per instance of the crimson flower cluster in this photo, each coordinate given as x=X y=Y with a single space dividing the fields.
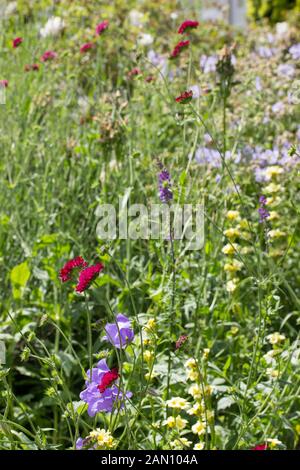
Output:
x=185 y=97
x=87 y=274
x=187 y=25
x=178 y=48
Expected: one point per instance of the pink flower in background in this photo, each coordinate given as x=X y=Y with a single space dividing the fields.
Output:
x=101 y=27
x=87 y=276
x=48 y=55
x=67 y=270
x=3 y=83
x=187 y=25
x=86 y=47
x=16 y=42
x=178 y=48
x=134 y=72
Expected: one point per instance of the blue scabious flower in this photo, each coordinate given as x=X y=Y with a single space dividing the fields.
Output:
x=101 y=402
x=119 y=334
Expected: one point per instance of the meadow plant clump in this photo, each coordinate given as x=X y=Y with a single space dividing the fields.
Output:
x=132 y=341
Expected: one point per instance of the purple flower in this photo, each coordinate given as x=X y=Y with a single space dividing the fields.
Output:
x=164 y=186
x=119 y=334
x=262 y=211
x=295 y=51
x=286 y=70
x=208 y=64
x=97 y=401
x=266 y=52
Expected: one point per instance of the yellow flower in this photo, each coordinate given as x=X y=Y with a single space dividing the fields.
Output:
x=192 y=375
x=199 y=428
x=231 y=285
x=234 y=266
x=180 y=423
x=273 y=201
x=178 y=402
x=181 y=443
x=102 y=438
x=273 y=171
x=195 y=391
x=246 y=250
x=147 y=341
x=297 y=429
x=272 y=188
x=273 y=373
x=244 y=224
x=170 y=422
x=190 y=363
x=206 y=352
x=230 y=248
x=151 y=324
x=148 y=356
x=232 y=233
x=276 y=252
x=232 y=215
x=199 y=446
x=196 y=410
x=274 y=442
x=276 y=233
x=234 y=330
x=275 y=338
x=273 y=215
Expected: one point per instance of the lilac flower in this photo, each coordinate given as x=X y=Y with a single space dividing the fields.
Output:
x=266 y=52
x=164 y=186
x=258 y=85
x=196 y=91
x=262 y=211
x=295 y=51
x=278 y=107
x=119 y=334
x=97 y=401
x=208 y=64
x=286 y=70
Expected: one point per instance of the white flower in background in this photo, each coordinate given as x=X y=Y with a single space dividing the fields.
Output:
x=273 y=373
x=145 y=39
x=53 y=27
x=282 y=29
x=274 y=442
x=174 y=15
x=10 y=9
x=136 y=18
x=83 y=104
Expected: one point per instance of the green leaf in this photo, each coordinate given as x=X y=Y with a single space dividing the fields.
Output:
x=19 y=276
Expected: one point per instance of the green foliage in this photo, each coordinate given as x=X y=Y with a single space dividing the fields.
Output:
x=274 y=10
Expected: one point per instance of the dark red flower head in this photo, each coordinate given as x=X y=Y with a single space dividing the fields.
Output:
x=133 y=72
x=107 y=379
x=3 y=83
x=16 y=42
x=185 y=97
x=86 y=47
x=87 y=276
x=101 y=27
x=48 y=55
x=260 y=447
x=178 y=48
x=67 y=270
x=187 y=25
x=30 y=67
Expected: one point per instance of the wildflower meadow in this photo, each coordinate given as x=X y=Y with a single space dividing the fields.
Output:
x=149 y=227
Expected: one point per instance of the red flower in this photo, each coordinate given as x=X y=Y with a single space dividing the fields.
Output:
x=186 y=25
x=87 y=276
x=134 y=72
x=3 y=83
x=107 y=379
x=86 y=47
x=29 y=67
x=101 y=27
x=48 y=55
x=260 y=447
x=178 y=48
x=180 y=342
x=185 y=97
x=16 y=42
x=149 y=79
x=66 y=271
